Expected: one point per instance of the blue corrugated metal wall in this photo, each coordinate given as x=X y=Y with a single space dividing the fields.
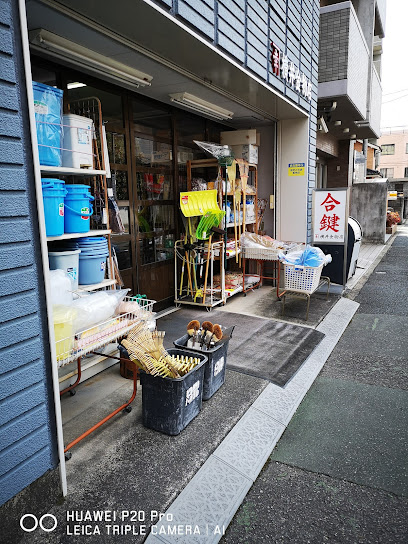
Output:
x=27 y=421
x=245 y=28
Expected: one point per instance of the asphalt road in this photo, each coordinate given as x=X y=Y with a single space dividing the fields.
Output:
x=339 y=472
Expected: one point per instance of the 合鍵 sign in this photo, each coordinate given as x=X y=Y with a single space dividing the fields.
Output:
x=296 y=169
x=330 y=216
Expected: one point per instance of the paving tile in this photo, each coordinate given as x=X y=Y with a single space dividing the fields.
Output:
x=208 y=502
x=249 y=444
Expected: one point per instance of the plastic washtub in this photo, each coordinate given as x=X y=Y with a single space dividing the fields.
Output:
x=168 y=405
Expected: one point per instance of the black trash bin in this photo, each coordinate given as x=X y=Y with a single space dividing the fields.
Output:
x=214 y=374
x=335 y=269
x=169 y=404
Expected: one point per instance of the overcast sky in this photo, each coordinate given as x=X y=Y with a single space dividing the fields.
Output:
x=394 y=76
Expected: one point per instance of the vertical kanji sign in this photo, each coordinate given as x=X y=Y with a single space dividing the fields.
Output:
x=330 y=216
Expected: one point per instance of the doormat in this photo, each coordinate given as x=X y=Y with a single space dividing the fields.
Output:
x=266 y=349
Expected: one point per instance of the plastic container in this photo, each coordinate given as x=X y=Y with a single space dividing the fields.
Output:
x=78 y=133
x=92 y=267
x=168 y=405
x=78 y=208
x=214 y=373
x=68 y=261
x=64 y=317
x=48 y=119
x=53 y=201
x=302 y=279
x=60 y=288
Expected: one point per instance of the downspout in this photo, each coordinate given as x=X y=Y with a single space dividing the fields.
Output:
x=43 y=241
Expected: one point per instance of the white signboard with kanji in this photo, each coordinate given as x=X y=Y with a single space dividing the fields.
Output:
x=330 y=216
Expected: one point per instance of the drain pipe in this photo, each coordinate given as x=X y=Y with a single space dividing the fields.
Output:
x=43 y=241
x=365 y=153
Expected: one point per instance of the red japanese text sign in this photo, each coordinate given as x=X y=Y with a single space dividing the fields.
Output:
x=330 y=216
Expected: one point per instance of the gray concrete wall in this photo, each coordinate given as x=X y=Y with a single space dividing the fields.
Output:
x=369 y=206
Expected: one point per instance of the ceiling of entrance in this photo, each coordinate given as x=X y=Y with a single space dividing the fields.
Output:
x=139 y=36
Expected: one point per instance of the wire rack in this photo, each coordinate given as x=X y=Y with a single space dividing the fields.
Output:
x=72 y=347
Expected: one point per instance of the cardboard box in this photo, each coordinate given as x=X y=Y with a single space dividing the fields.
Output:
x=247 y=152
x=240 y=137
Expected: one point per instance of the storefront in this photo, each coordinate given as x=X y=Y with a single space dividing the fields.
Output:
x=150 y=136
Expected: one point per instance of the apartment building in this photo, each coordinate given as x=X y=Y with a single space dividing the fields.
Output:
x=394 y=154
x=349 y=104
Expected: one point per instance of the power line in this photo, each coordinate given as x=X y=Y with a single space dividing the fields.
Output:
x=395 y=92
x=394 y=99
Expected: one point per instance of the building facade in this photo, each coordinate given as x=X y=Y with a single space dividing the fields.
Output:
x=394 y=154
x=256 y=59
x=349 y=105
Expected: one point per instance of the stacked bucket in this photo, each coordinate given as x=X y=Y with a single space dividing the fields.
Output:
x=67 y=208
x=92 y=259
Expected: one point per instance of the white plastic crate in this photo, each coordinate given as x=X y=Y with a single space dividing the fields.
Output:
x=261 y=253
x=303 y=279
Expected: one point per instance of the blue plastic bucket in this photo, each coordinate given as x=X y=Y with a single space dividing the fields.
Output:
x=67 y=261
x=53 y=200
x=92 y=268
x=52 y=183
x=48 y=120
x=78 y=208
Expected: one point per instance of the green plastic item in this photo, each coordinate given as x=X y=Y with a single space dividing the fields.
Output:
x=207 y=222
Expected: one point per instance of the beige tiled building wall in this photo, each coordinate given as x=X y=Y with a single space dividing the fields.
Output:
x=397 y=162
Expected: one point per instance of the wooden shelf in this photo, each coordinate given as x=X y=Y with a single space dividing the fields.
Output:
x=64 y=171
x=79 y=235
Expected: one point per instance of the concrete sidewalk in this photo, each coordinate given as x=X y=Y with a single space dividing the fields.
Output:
x=340 y=471
x=197 y=479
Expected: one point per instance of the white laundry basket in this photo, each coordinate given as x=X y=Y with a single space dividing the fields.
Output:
x=302 y=279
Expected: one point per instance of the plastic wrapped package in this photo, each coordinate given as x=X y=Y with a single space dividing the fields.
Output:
x=96 y=308
x=249 y=239
x=310 y=256
x=61 y=288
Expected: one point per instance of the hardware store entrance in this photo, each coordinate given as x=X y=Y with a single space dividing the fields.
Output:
x=149 y=145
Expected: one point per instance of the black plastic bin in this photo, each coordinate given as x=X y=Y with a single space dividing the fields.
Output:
x=214 y=373
x=168 y=405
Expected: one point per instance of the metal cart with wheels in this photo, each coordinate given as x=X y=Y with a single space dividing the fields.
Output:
x=95 y=338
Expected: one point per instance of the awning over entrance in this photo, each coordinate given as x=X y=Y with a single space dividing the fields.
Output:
x=138 y=35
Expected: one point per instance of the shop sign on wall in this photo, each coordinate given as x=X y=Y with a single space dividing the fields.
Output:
x=285 y=69
x=296 y=169
x=330 y=216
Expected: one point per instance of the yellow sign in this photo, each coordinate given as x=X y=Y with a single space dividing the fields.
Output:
x=392 y=195
x=296 y=169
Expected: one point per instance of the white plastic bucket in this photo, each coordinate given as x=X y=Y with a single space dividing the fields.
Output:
x=68 y=261
x=77 y=145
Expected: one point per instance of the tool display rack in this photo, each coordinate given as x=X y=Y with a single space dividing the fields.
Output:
x=187 y=263
x=222 y=200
